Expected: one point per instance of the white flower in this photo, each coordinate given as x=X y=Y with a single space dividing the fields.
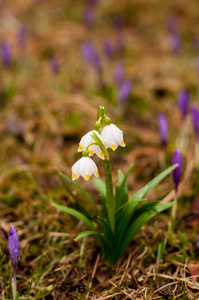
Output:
x=112 y=137
x=84 y=167
x=86 y=140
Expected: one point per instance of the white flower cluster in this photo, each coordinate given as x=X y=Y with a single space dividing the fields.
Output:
x=111 y=136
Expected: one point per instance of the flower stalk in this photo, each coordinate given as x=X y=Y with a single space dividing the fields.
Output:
x=109 y=194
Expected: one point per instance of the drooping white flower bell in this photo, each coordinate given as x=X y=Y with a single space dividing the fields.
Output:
x=84 y=167
x=112 y=137
x=86 y=140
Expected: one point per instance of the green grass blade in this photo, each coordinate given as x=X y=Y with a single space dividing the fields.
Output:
x=123 y=219
x=76 y=214
x=85 y=234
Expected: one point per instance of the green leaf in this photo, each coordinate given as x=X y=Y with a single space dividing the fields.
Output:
x=103 y=241
x=76 y=214
x=84 y=234
x=137 y=224
x=146 y=189
x=100 y=185
x=82 y=207
x=124 y=218
x=121 y=190
x=104 y=212
x=105 y=226
x=80 y=189
x=140 y=194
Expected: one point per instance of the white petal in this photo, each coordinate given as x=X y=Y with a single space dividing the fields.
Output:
x=112 y=137
x=84 y=167
x=86 y=140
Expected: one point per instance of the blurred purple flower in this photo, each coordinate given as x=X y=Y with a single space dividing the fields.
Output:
x=88 y=52
x=175 y=42
x=13 y=246
x=54 y=65
x=119 y=73
x=96 y=61
x=163 y=129
x=183 y=102
x=21 y=36
x=125 y=90
x=174 y=34
x=6 y=54
x=89 y=16
x=177 y=159
x=91 y=56
x=108 y=49
x=195 y=118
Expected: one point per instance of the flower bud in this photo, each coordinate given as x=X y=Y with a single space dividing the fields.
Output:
x=163 y=129
x=125 y=91
x=183 y=102
x=13 y=246
x=195 y=118
x=6 y=54
x=177 y=159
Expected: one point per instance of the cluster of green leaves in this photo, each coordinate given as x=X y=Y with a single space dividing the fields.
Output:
x=130 y=214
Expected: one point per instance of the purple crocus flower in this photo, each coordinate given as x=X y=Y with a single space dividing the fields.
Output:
x=108 y=49
x=21 y=36
x=6 y=54
x=183 y=102
x=175 y=42
x=119 y=73
x=177 y=159
x=174 y=35
x=124 y=91
x=91 y=56
x=88 y=52
x=96 y=61
x=163 y=129
x=54 y=65
x=13 y=246
x=195 y=118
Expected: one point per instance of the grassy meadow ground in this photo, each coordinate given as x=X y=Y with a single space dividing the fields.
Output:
x=43 y=116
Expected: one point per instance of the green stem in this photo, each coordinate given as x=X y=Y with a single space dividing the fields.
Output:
x=110 y=202
x=173 y=211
